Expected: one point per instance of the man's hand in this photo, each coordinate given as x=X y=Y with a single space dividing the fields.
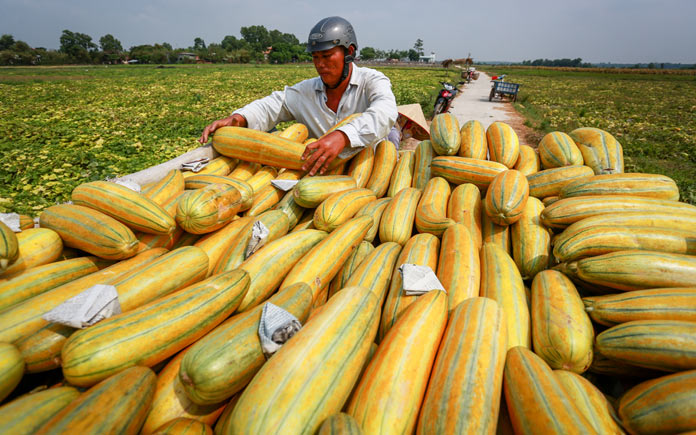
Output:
x=235 y=120
x=320 y=153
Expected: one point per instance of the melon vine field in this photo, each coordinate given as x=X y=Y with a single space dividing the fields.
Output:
x=67 y=125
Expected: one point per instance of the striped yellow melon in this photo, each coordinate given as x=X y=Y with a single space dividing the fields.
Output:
x=421 y=167
x=503 y=144
x=223 y=362
x=268 y=267
x=375 y=271
x=465 y=387
x=561 y=329
x=360 y=166
x=603 y=239
x=269 y=195
x=445 y=136
x=339 y=424
x=9 y=247
x=170 y=400
x=208 y=209
x=184 y=426
x=652 y=304
x=275 y=221
x=221 y=165
x=402 y=177
x=666 y=345
x=566 y=211
x=591 y=402
x=90 y=231
x=474 y=142
x=36 y=246
x=11 y=369
x=602 y=365
x=339 y=169
x=375 y=209
x=167 y=241
x=166 y=188
x=464 y=207
x=127 y=397
x=25 y=222
x=382 y=168
x=133 y=209
x=506 y=197
x=26 y=414
x=635 y=270
x=557 y=149
x=262 y=178
x=421 y=249
x=40 y=279
x=351 y=264
x=663 y=405
x=498 y=235
x=531 y=241
x=399 y=215
x=292 y=209
x=306 y=222
x=41 y=350
x=297 y=132
x=311 y=191
x=600 y=150
x=459 y=268
x=321 y=264
x=154 y=332
x=501 y=281
x=245 y=190
x=528 y=162
x=311 y=376
x=549 y=182
x=431 y=213
x=260 y=147
x=390 y=392
x=634 y=184
x=460 y=170
x=340 y=207
x=536 y=401
x=217 y=243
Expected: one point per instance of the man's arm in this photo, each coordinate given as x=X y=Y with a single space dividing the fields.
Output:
x=234 y=120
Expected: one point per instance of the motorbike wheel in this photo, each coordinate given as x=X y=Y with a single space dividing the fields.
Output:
x=439 y=106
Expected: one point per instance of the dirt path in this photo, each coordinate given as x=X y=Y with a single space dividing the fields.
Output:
x=472 y=104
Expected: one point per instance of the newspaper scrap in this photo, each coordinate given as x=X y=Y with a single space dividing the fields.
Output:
x=11 y=220
x=259 y=236
x=417 y=280
x=284 y=185
x=93 y=305
x=275 y=328
x=195 y=165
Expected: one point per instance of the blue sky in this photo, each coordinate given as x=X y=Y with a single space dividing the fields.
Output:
x=620 y=31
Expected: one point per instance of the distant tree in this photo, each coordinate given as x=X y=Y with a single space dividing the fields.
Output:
x=381 y=54
x=77 y=45
x=110 y=45
x=167 y=46
x=257 y=36
x=413 y=55
x=230 y=42
x=198 y=44
x=276 y=37
x=367 y=53
x=6 y=41
x=418 y=47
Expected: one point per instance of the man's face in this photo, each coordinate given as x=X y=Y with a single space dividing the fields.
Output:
x=329 y=64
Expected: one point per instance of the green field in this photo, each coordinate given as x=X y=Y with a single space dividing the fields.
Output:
x=65 y=125
x=652 y=115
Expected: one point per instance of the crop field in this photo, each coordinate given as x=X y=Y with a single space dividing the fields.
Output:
x=652 y=115
x=66 y=125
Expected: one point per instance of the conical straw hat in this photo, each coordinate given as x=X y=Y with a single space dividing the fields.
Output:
x=414 y=113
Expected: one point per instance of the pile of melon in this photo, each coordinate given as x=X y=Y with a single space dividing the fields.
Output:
x=569 y=300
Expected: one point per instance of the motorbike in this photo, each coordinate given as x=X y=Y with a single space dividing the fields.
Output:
x=444 y=99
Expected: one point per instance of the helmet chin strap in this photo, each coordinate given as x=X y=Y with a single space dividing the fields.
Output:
x=347 y=59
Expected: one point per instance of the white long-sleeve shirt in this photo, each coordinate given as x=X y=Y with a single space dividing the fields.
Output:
x=368 y=92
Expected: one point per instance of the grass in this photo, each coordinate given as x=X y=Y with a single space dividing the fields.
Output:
x=652 y=115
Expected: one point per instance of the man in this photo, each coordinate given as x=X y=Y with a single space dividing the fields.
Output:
x=341 y=89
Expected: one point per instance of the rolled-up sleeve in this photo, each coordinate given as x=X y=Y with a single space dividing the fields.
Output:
x=377 y=120
x=265 y=113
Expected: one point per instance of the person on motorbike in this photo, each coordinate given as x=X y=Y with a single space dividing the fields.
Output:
x=341 y=89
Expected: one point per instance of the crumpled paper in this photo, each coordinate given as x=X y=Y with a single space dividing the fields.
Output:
x=196 y=165
x=93 y=305
x=11 y=220
x=259 y=236
x=417 y=279
x=275 y=328
x=284 y=185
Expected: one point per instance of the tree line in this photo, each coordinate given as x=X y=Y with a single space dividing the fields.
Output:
x=257 y=44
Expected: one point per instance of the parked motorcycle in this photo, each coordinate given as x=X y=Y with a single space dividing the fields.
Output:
x=444 y=99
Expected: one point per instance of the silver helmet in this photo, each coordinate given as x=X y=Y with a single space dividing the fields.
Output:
x=331 y=32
